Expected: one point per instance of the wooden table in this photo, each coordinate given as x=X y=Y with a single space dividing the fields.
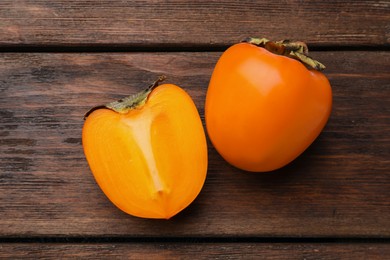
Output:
x=58 y=58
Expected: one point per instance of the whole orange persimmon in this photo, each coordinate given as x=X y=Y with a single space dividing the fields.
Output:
x=266 y=103
x=148 y=152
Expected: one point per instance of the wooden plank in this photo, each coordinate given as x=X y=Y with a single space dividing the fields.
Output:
x=339 y=187
x=200 y=250
x=189 y=23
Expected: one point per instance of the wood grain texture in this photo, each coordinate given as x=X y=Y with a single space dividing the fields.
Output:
x=191 y=23
x=200 y=250
x=340 y=187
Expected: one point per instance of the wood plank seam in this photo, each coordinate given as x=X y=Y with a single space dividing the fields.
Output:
x=129 y=48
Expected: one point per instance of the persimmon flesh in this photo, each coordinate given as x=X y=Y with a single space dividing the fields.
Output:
x=150 y=161
x=264 y=109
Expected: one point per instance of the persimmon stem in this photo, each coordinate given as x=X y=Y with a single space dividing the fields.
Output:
x=126 y=104
x=123 y=106
x=296 y=50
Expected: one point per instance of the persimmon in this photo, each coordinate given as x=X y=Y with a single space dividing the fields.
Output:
x=148 y=152
x=266 y=103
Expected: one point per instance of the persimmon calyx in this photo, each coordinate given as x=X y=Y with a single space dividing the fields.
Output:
x=296 y=50
x=124 y=105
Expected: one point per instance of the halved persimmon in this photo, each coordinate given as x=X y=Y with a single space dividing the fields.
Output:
x=148 y=152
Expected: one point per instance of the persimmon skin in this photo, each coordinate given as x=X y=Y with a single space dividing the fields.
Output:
x=263 y=110
x=151 y=162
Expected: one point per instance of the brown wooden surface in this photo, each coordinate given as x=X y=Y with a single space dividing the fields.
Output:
x=184 y=23
x=339 y=187
x=197 y=250
x=337 y=192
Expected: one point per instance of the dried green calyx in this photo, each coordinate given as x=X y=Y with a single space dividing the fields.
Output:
x=124 y=105
x=296 y=50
